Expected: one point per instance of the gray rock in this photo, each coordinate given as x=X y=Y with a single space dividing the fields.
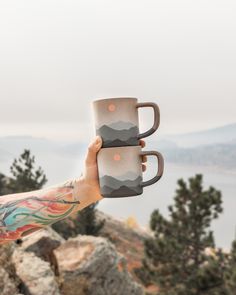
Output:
x=7 y=285
x=91 y=266
x=42 y=243
x=35 y=274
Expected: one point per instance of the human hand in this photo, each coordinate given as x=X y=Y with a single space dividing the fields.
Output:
x=88 y=182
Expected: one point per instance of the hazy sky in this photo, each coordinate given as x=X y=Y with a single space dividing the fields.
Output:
x=58 y=56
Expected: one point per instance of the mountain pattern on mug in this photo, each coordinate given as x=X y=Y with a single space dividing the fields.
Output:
x=118 y=133
x=124 y=185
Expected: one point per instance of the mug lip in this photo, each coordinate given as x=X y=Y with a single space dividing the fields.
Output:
x=113 y=98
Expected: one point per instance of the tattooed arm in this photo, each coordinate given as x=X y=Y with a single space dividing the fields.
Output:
x=24 y=213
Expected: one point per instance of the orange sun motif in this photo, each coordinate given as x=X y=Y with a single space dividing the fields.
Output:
x=111 y=107
x=116 y=157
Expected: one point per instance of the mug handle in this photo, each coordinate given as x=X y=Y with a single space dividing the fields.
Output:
x=156 y=118
x=160 y=167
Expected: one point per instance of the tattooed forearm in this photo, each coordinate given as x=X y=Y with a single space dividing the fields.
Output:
x=24 y=213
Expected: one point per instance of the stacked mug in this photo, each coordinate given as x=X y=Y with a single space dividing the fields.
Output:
x=120 y=158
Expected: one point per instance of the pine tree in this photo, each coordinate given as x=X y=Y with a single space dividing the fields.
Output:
x=176 y=258
x=83 y=222
x=25 y=176
x=3 y=184
x=230 y=274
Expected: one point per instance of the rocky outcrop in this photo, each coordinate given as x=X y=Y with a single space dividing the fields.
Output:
x=128 y=241
x=36 y=275
x=45 y=263
x=42 y=243
x=7 y=284
x=91 y=265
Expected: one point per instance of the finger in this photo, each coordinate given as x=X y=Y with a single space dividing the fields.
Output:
x=93 y=148
x=142 y=143
x=144 y=158
x=144 y=167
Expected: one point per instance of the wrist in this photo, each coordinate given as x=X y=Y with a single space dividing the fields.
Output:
x=87 y=191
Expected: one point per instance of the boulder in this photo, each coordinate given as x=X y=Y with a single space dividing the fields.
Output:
x=91 y=266
x=36 y=275
x=128 y=241
x=42 y=243
x=7 y=284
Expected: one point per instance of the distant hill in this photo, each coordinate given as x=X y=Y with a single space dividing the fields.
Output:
x=59 y=160
x=218 y=155
x=214 y=147
x=62 y=160
x=222 y=135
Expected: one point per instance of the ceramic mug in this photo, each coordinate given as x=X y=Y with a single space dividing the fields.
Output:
x=117 y=122
x=120 y=171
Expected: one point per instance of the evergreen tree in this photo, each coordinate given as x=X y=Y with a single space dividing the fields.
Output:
x=230 y=274
x=3 y=185
x=175 y=258
x=83 y=222
x=25 y=176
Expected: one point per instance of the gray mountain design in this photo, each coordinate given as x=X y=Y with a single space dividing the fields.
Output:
x=123 y=191
x=118 y=137
x=117 y=142
x=115 y=187
x=116 y=182
x=129 y=175
x=121 y=125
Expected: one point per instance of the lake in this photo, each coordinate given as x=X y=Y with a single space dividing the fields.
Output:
x=60 y=167
x=161 y=194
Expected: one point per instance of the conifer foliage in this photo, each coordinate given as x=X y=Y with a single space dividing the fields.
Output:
x=230 y=275
x=181 y=258
x=25 y=176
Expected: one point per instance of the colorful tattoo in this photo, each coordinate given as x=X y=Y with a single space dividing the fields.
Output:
x=24 y=213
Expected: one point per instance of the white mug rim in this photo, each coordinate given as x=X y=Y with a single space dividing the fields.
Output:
x=114 y=98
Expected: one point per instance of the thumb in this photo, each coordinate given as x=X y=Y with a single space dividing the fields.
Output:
x=92 y=151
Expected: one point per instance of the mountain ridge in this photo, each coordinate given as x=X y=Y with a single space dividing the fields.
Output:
x=109 y=133
x=129 y=175
x=122 y=191
x=115 y=183
x=217 y=135
x=121 y=125
x=49 y=153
